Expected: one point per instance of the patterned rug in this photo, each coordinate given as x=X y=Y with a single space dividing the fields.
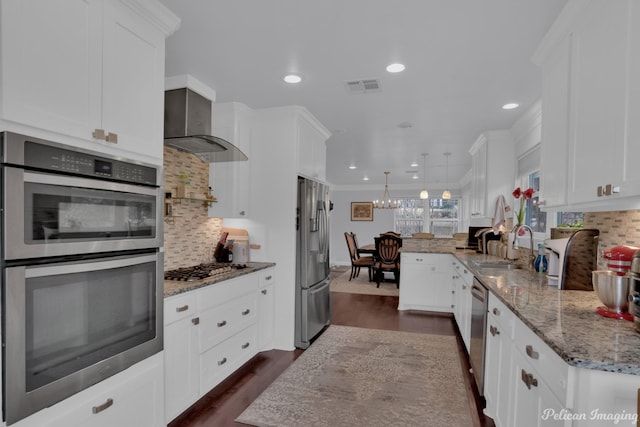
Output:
x=361 y=285
x=367 y=377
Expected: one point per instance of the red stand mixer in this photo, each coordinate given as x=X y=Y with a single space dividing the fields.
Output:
x=612 y=286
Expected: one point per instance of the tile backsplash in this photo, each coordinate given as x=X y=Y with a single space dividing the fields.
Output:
x=189 y=233
x=616 y=228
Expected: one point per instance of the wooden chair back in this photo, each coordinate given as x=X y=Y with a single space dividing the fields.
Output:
x=392 y=233
x=351 y=245
x=388 y=249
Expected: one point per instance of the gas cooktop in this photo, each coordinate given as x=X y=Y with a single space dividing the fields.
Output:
x=202 y=271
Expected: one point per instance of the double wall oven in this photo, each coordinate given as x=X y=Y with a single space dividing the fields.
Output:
x=81 y=269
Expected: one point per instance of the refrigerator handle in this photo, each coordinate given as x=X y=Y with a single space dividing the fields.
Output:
x=324 y=225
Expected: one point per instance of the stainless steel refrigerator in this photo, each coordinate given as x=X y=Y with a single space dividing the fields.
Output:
x=313 y=300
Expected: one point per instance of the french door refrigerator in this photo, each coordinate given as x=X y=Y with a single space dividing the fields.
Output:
x=313 y=302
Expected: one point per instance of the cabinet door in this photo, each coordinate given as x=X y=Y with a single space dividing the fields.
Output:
x=267 y=313
x=311 y=151
x=182 y=366
x=555 y=126
x=479 y=181
x=133 y=81
x=51 y=64
x=597 y=98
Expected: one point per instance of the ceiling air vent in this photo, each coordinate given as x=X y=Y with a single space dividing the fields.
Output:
x=363 y=86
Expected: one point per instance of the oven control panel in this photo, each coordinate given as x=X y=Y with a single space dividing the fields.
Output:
x=54 y=158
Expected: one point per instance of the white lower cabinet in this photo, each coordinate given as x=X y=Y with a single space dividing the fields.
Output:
x=182 y=381
x=497 y=377
x=131 y=398
x=210 y=332
x=266 y=310
x=461 y=283
x=425 y=282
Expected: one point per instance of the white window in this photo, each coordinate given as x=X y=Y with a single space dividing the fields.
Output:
x=444 y=217
x=409 y=217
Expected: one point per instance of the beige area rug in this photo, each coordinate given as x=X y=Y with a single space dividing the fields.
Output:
x=361 y=285
x=367 y=377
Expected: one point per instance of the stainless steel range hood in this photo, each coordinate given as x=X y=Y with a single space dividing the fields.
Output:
x=187 y=127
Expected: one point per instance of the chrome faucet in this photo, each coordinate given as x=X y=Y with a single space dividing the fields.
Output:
x=516 y=230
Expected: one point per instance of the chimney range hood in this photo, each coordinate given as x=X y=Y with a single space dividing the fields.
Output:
x=187 y=127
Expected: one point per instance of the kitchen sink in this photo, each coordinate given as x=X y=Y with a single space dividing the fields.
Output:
x=502 y=265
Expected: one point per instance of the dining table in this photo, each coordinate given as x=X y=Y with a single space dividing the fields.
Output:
x=367 y=249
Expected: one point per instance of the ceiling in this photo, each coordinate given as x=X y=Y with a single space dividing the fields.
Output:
x=464 y=59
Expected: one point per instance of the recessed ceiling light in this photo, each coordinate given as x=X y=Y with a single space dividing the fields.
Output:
x=352 y=166
x=415 y=176
x=510 y=106
x=292 y=78
x=366 y=178
x=414 y=164
x=395 y=67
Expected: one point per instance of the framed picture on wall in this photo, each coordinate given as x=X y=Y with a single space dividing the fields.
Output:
x=361 y=211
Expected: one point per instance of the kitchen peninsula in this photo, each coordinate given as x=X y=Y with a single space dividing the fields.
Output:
x=546 y=348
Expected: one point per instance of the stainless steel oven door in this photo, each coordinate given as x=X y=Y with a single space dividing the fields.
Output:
x=70 y=325
x=52 y=215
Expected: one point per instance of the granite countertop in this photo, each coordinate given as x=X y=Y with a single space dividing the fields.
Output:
x=565 y=320
x=175 y=287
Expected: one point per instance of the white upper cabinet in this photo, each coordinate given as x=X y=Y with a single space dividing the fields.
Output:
x=591 y=101
x=230 y=180
x=492 y=170
x=77 y=66
x=312 y=149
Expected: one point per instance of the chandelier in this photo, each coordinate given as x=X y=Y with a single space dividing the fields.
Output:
x=386 y=202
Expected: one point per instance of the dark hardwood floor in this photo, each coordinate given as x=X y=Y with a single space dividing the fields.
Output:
x=224 y=403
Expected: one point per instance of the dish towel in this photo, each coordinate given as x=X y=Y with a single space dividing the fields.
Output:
x=500 y=215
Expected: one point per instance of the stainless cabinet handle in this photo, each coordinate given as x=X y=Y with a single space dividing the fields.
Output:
x=183 y=308
x=496 y=312
x=268 y=277
x=195 y=320
x=222 y=362
x=531 y=352
x=100 y=408
x=419 y=259
x=494 y=331
x=245 y=345
x=264 y=292
x=464 y=287
x=221 y=324
x=528 y=379
x=465 y=271
x=247 y=311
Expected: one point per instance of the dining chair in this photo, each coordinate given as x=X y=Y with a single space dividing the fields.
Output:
x=357 y=262
x=392 y=233
x=387 y=257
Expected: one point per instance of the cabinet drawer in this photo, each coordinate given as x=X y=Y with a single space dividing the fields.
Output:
x=421 y=262
x=501 y=316
x=549 y=366
x=218 y=294
x=220 y=361
x=266 y=278
x=219 y=323
x=179 y=307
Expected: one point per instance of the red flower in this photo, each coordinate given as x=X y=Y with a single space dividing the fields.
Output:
x=517 y=193
x=528 y=193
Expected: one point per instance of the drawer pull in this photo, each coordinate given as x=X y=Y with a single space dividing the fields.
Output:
x=247 y=311
x=496 y=312
x=195 y=320
x=221 y=324
x=494 y=331
x=464 y=287
x=419 y=259
x=100 y=408
x=264 y=292
x=529 y=380
x=224 y=360
x=269 y=277
x=531 y=352
x=183 y=308
x=465 y=271
x=245 y=345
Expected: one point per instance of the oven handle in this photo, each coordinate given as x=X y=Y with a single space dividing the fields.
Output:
x=69 y=181
x=479 y=292
x=74 y=267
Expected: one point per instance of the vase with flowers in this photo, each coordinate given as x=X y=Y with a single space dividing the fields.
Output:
x=523 y=196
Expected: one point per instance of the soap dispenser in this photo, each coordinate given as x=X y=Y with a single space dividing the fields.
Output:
x=541 y=260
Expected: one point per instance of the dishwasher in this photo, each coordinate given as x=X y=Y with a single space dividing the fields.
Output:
x=479 y=303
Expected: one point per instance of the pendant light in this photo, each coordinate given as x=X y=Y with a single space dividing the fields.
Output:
x=386 y=202
x=424 y=194
x=446 y=194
